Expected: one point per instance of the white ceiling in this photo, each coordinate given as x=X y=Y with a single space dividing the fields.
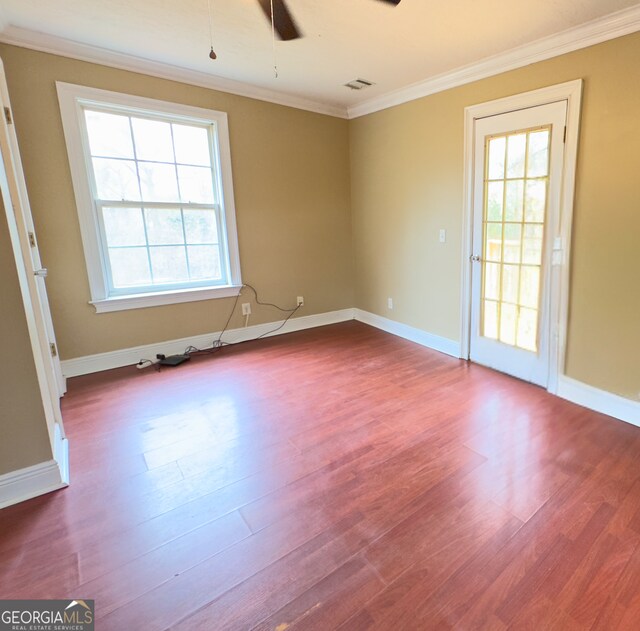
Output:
x=344 y=39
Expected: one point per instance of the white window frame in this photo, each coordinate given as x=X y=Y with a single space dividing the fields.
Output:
x=72 y=99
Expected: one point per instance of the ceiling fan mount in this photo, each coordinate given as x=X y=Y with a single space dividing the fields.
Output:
x=283 y=22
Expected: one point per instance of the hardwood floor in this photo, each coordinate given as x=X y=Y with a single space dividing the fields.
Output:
x=337 y=478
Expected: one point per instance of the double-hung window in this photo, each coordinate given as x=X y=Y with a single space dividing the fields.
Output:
x=154 y=192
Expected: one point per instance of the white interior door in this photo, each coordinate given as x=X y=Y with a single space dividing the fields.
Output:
x=518 y=161
x=22 y=232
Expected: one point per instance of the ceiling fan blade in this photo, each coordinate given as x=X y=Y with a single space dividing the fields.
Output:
x=282 y=20
x=396 y=2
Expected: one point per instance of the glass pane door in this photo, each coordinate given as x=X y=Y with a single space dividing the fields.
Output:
x=516 y=185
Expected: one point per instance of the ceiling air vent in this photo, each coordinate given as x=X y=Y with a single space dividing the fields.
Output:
x=358 y=84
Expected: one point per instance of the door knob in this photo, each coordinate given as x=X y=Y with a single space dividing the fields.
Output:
x=41 y=272
x=475 y=257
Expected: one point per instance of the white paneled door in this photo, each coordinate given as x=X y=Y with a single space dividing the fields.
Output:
x=518 y=163
x=31 y=273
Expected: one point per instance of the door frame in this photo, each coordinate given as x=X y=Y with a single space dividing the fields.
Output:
x=571 y=92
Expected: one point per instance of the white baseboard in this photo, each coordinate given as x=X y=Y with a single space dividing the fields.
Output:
x=130 y=356
x=575 y=391
x=435 y=342
x=570 y=389
x=24 y=484
x=599 y=400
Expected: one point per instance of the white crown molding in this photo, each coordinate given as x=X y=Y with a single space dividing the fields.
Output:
x=130 y=356
x=24 y=484
x=424 y=338
x=42 y=42
x=595 y=32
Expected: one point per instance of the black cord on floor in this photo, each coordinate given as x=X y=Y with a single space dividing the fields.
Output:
x=219 y=344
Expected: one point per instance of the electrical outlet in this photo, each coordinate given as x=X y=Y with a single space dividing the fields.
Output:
x=389 y=303
x=443 y=235
x=300 y=301
x=246 y=308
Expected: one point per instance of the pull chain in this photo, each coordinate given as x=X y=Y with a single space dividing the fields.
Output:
x=212 y=54
x=273 y=42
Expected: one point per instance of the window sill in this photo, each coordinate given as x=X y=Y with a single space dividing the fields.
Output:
x=141 y=301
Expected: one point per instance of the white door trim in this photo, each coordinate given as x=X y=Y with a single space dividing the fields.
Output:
x=571 y=92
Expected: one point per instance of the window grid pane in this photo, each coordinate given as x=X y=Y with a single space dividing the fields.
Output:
x=157 y=199
x=161 y=234
x=516 y=190
x=109 y=135
x=154 y=149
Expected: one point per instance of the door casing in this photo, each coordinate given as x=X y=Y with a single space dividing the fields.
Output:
x=559 y=277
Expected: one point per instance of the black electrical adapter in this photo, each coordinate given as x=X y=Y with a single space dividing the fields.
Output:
x=172 y=360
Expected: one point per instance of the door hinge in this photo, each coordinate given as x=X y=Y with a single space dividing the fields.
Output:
x=32 y=240
x=564 y=137
x=7 y=115
x=54 y=350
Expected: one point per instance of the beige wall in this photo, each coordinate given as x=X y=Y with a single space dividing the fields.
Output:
x=24 y=440
x=291 y=174
x=407 y=175
x=297 y=194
